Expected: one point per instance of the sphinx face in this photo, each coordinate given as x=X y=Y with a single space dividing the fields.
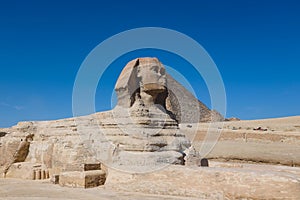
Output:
x=153 y=77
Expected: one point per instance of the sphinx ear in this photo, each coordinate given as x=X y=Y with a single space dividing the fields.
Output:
x=134 y=82
x=128 y=84
x=137 y=69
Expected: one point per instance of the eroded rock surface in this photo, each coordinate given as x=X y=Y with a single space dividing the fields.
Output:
x=147 y=78
x=209 y=183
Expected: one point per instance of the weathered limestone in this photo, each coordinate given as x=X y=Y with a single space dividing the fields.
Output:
x=84 y=179
x=91 y=166
x=55 y=179
x=142 y=75
x=186 y=107
x=275 y=146
x=91 y=175
x=208 y=183
x=143 y=126
x=192 y=157
x=140 y=134
x=17 y=155
x=27 y=170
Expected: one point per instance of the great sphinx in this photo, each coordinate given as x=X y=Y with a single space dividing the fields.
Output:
x=140 y=133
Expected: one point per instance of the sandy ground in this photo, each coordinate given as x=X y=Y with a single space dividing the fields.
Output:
x=43 y=190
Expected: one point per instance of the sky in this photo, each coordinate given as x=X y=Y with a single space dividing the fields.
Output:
x=254 y=44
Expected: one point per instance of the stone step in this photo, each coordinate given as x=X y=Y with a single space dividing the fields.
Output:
x=82 y=179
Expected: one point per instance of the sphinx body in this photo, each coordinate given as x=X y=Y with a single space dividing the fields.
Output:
x=141 y=132
x=148 y=131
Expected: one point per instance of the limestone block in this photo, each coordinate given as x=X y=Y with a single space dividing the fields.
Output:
x=24 y=170
x=192 y=157
x=38 y=174
x=55 y=179
x=91 y=166
x=82 y=179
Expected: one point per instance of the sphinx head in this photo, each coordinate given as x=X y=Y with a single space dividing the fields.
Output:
x=152 y=80
x=143 y=78
x=152 y=76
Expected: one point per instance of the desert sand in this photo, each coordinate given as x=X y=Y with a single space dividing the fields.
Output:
x=11 y=189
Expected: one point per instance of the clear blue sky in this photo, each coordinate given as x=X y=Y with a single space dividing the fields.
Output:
x=255 y=44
